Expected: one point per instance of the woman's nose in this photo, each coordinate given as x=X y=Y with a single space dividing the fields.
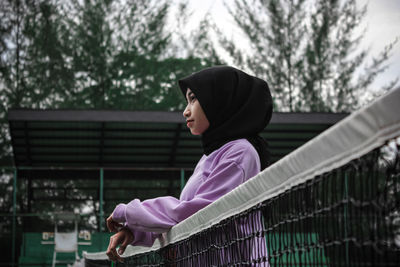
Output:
x=186 y=112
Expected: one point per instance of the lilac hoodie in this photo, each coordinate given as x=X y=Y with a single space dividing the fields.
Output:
x=214 y=176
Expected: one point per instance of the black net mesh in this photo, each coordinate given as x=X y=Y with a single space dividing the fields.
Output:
x=347 y=217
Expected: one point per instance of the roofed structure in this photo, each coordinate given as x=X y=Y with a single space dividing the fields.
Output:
x=135 y=139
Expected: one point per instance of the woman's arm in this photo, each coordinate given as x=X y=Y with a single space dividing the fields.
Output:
x=147 y=218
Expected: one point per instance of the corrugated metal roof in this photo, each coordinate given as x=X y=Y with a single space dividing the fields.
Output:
x=135 y=139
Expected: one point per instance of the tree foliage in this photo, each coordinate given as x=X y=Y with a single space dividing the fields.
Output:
x=308 y=51
x=108 y=54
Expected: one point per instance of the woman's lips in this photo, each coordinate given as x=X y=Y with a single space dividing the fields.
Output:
x=189 y=123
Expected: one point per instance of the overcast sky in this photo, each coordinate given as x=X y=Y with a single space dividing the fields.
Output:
x=382 y=23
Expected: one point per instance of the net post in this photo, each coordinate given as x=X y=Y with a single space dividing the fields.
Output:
x=346 y=192
x=182 y=179
x=101 y=215
x=14 y=216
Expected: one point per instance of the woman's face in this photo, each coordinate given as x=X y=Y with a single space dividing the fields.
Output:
x=196 y=120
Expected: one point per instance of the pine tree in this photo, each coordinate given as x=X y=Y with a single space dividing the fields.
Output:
x=89 y=34
x=307 y=51
x=48 y=75
x=196 y=42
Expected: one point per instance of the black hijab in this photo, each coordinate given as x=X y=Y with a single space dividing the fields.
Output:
x=236 y=104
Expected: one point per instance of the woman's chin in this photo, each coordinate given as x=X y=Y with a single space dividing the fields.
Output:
x=194 y=132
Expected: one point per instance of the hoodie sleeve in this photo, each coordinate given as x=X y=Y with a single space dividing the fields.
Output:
x=147 y=218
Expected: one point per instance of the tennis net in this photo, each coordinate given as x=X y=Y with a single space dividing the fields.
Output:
x=333 y=202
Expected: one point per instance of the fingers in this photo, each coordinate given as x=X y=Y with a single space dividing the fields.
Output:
x=128 y=238
x=121 y=250
x=111 y=252
x=112 y=225
x=109 y=222
x=125 y=237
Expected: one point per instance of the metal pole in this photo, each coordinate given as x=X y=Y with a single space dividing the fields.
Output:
x=346 y=192
x=14 y=215
x=101 y=219
x=182 y=179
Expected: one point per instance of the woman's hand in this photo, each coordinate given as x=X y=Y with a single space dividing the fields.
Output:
x=112 y=225
x=122 y=238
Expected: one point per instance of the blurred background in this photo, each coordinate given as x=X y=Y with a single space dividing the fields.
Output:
x=318 y=56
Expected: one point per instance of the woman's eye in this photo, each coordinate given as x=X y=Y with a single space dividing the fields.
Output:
x=192 y=98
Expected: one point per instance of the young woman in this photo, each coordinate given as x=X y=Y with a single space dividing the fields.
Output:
x=228 y=108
